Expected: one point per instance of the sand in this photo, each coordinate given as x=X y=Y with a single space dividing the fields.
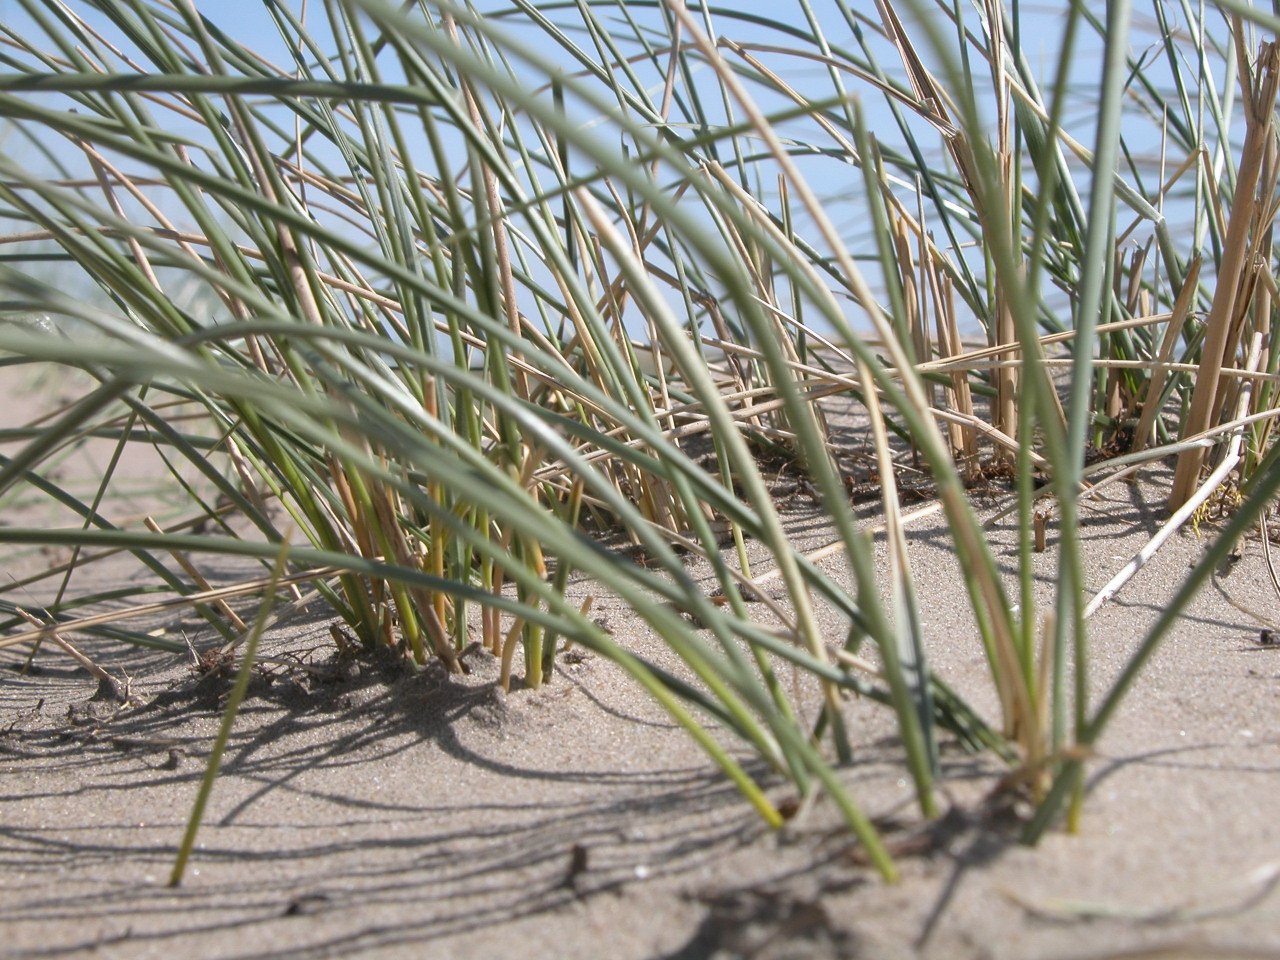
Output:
x=368 y=810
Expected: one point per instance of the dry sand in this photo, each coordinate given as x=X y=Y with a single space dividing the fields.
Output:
x=367 y=811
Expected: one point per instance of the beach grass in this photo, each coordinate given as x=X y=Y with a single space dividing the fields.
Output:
x=464 y=306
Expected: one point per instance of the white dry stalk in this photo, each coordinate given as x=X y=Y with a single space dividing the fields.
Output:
x=1194 y=502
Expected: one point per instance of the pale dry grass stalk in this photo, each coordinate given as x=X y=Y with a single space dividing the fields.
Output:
x=1251 y=201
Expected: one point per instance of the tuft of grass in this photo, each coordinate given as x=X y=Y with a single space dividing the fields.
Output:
x=491 y=305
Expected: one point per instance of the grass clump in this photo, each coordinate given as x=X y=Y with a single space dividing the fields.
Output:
x=454 y=304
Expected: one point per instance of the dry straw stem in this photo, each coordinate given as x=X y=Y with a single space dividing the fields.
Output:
x=1192 y=503
x=54 y=632
x=1001 y=332
x=1145 y=430
x=1250 y=203
x=215 y=595
x=193 y=572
